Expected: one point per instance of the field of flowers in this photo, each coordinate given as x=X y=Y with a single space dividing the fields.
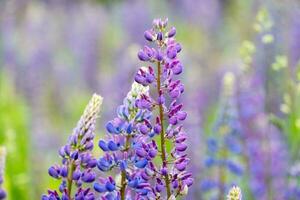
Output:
x=150 y=100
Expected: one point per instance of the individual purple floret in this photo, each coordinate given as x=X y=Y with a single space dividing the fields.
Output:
x=2 y=164
x=173 y=179
x=77 y=159
x=225 y=143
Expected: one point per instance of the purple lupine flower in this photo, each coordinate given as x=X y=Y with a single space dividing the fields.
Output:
x=264 y=153
x=129 y=149
x=2 y=164
x=173 y=179
x=225 y=144
x=77 y=158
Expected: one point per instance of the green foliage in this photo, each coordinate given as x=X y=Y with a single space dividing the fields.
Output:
x=291 y=124
x=14 y=136
x=290 y=105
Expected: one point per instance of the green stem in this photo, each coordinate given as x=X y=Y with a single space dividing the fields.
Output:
x=162 y=133
x=222 y=176
x=123 y=173
x=70 y=180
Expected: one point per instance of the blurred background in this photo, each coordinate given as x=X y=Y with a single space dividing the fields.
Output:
x=54 y=54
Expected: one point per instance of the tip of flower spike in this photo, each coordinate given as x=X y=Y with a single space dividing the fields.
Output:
x=234 y=193
x=93 y=107
x=160 y=24
x=228 y=83
x=97 y=99
x=136 y=90
x=229 y=78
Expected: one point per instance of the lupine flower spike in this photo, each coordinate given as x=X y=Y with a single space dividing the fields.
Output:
x=171 y=176
x=224 y=144
x=128 y=150
x=2 y=165
x=77 y=159
x=234 y=193
x=131 y=147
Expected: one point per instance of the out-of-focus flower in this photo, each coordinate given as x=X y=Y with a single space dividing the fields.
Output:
x=262 y=141
x=263 y=26
x=225 y=143
x=280 y=62
x=293 y=188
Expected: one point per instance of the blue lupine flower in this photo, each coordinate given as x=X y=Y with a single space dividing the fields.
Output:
x=124 y=140
x=224 y=144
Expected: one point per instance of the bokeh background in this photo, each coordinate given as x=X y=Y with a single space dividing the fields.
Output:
x=54 y=54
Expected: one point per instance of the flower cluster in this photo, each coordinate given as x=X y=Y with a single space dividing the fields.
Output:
x=234 y=193
x=128 y=149
x=136 y=143
x=2 y=164
x=172 y=176
x=225 y=144
x=138 y=146
x=77 y=159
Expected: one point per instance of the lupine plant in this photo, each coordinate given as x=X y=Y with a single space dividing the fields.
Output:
x=76 y=169
x=127 y=150
x=145 y=145
x=262 y=140
x=2 y=165
x=224 y=144
x=146 y=141
x=291 y=125
x=172 y=168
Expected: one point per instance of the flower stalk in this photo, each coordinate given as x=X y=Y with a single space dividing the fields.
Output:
x=162 y=133
x=123 y=173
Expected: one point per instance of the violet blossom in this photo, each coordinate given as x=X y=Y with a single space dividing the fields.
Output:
x=164 y=65
x=135 y=148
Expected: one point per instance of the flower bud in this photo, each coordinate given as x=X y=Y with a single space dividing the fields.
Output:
x=172 y=32
x=149 y=36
